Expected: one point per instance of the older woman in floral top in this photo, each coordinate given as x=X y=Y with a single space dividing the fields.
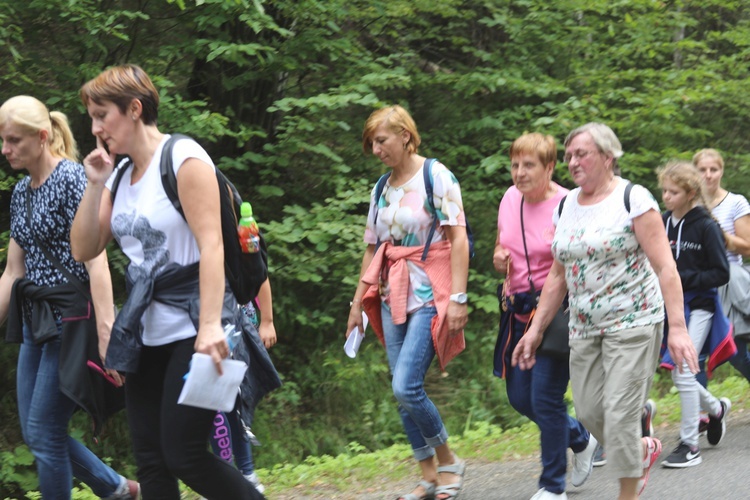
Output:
x=613 y=258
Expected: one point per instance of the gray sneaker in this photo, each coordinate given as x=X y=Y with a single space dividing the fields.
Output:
x=683 y=456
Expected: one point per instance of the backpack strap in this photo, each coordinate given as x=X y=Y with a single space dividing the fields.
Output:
x=427 y=172
x=122 y=167
x=560 y=206
x=626 y=196
x=626 y=199
x=379 y=187
x=168 y=177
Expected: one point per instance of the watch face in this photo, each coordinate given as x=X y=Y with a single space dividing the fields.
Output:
x=459 y=298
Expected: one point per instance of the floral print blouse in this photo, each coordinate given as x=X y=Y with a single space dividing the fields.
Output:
x=610 y=281
x=404 y=217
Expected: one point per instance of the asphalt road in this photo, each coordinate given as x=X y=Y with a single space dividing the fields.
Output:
x=723 y=475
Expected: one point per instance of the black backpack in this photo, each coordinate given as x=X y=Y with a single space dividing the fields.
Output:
x=427 y=173
x=245 y=272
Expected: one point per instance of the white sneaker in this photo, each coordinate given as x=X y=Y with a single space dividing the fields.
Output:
x=583 y=462
x=548 y=495
x=255 y=481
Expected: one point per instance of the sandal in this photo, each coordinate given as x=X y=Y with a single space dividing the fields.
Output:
x=429 y=492
x=451 y=490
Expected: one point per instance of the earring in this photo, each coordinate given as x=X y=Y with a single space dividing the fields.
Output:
x=134 y=118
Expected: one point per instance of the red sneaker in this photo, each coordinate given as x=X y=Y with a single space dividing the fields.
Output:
x=653 y=450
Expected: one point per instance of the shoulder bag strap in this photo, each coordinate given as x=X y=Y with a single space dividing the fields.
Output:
x=526 y=252
x=55 y=262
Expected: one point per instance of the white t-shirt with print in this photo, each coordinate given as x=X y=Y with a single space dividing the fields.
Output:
x=611 y=283
x=404 y=218
x=732 y=207
x=152 y=233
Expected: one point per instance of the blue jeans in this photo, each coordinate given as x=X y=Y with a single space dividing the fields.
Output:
x=539 y=395
x=227 y=442
x=44 y=413
x=410 y=352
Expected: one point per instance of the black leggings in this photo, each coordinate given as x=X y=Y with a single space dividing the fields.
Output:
x=170 y=441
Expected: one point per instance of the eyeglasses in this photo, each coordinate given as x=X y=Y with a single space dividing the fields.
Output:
x=579 y=153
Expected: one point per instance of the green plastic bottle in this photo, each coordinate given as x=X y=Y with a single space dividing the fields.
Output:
x=247 y=229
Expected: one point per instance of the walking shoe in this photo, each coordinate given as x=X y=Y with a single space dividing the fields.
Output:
x=548 y=495
x=702 y=425
x=583 y=462
x=717 y=425
x=683 y=456
x=600 y=457
x=653 y=450
x=128 y=490
x=255 y=481
x=647 y=418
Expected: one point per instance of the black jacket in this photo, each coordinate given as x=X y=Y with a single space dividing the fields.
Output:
x=79 y=344
x=178 y=286
x=698 y=248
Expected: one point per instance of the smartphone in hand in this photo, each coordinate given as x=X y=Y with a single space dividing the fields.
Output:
x=98 y=369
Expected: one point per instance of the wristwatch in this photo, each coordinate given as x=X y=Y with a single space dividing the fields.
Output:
x=459 y=298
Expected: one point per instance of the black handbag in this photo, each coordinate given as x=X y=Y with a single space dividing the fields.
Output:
x=555 y=340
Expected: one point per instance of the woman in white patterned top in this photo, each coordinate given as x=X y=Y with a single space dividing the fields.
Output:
x=613 y=258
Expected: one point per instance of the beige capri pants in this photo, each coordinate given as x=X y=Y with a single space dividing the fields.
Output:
x=611 y=377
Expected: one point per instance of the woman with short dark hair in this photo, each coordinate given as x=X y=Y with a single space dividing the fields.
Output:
x=172 y=255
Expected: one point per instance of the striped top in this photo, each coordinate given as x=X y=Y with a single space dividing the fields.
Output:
x=732 y=207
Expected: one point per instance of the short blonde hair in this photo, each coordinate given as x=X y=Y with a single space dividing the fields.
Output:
x=397 y=119
x=543 y=146
x=32 y=116
x=685 y=175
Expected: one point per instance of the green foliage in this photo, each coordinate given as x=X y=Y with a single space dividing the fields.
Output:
x=16 y=472
x=278 y=92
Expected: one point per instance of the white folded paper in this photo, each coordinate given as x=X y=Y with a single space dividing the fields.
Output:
x=205 y=388
x=351 y=346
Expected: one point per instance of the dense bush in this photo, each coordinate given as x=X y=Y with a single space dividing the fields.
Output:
x=278 y=92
